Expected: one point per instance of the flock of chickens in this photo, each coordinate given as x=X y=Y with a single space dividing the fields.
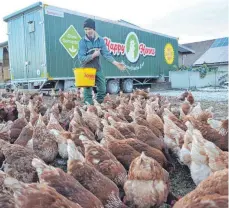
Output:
x=117 y=152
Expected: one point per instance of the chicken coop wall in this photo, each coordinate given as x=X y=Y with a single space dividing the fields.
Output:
x=150 y=66
x=36 y=53
x=16 y=47
x=26 y=46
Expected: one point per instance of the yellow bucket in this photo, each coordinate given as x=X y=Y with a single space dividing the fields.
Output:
x=84 y=77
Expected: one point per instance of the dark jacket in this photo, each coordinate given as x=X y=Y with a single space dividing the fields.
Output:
x=86 y=49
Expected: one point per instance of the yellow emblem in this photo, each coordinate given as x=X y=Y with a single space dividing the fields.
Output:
x=169 y=53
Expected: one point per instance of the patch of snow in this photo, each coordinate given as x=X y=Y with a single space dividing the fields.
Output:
x=213 y=89
x=206 y=94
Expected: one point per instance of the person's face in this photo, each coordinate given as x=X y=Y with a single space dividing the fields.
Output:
x=89 y=32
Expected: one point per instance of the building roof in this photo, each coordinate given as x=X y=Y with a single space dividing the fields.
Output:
x=184 y=49
x=216 y=54
x=199 y=47
x=4 y=44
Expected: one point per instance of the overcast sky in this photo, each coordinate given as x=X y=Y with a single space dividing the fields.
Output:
x=190 y=21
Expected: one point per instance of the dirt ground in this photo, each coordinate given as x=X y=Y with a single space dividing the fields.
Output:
x=220 y=108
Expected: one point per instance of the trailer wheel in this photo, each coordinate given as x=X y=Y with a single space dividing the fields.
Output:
x=127 y=85
x=113 y=86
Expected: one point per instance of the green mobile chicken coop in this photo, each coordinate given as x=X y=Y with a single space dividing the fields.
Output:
x=43 y=47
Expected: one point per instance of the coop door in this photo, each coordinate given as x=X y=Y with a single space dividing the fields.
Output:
x=35 y=47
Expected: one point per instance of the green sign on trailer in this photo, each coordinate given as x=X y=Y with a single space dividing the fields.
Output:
x=43 y=45
x=70 y=40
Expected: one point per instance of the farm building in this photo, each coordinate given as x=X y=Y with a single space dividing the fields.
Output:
x=199 y=48
x=211 y=55
x=216 y=55
x=211 y=52
x=4 y=63
x=183 y=51
x=43 y=47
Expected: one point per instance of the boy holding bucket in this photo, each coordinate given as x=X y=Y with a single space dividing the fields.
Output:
x=90 y=48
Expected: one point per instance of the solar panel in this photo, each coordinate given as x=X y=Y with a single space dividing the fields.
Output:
x=226 y=42
x=220 y=42
x=215 y=43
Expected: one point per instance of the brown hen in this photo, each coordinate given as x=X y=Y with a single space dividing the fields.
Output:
x=175 y=120
x=16 y=128
x=148 y=150
x=44 y=142
x=109 y=130
x=93 y=122
x=210 y=133
x=190 y=98
x=183 y=96
x=124 y=153
x=6 y=196
x=144 y=122
x=41 y=195
x=17 y=162
x=125 y=129
x=147 y=184
x=153 y=119
x=104 y=161
x=101 y=186
x=147 y=136
x=25 y=135
x=65 y=185
x=186 y=107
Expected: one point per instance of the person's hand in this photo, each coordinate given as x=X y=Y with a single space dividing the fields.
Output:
x=120 y=66
x=96 y=53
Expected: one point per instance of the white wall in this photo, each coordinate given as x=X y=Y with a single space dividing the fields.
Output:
x=187 y=79
x=223 y=68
